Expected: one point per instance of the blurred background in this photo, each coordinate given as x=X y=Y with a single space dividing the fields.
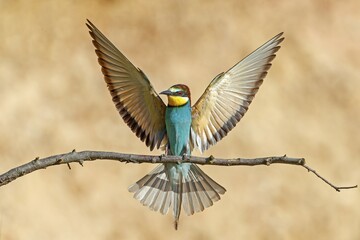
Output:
x=54 y=99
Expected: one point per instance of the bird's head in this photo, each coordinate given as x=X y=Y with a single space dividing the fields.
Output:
x=178 y=95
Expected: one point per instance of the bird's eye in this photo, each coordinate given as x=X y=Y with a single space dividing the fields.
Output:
x=179 y=93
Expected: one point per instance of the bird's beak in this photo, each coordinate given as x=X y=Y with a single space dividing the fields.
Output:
x=166 y=92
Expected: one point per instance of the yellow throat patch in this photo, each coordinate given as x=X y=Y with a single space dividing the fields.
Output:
x=176 y=101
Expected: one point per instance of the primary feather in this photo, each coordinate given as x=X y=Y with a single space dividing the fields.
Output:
x=227 y=98
x=136 y=100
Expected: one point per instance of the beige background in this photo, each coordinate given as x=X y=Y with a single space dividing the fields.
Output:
x=53 y=99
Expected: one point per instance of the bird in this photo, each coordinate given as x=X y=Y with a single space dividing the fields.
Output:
x=179 y=127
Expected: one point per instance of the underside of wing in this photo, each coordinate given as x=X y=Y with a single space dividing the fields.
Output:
x=136 y=100
x=227 y=98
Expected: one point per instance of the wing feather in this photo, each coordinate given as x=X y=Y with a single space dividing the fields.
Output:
x=136 y=100
x=228 y=96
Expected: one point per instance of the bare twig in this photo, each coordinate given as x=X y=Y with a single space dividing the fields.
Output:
x=80 y=157
x=326 y=181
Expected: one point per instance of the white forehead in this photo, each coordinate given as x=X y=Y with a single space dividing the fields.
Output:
x=175 y=89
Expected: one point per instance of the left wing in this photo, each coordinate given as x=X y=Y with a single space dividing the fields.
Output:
x=135 y=98
x=227 y=98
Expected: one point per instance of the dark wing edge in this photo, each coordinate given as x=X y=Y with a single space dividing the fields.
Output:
x=132 y=93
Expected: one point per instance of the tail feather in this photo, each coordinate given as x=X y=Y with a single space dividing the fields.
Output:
x=177 y=189
x=166 y=202
x=153 y=190
x=143 y=181
x=185 y=186
x=199 y=198
x=188 y=201
x=150 y=196
x=204 y=190
x=160 y=196
x=211 y=187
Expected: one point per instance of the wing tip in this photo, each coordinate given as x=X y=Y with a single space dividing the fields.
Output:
x=90 y=25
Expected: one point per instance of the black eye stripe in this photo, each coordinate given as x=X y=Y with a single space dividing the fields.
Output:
x=179 y=93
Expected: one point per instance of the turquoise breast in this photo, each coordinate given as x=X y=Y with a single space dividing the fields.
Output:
x=178 y=122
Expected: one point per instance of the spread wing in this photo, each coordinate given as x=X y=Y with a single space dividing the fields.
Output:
x=136 y=100
x=227 y=98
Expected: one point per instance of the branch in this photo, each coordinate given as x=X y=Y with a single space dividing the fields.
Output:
x=80 y=157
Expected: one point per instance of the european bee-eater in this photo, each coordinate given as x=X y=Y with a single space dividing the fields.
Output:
x=180 y=127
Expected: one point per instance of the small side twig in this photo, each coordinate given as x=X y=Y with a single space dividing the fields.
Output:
x=326 y=181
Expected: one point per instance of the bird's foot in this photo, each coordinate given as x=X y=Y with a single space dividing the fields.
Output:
x=185 y=157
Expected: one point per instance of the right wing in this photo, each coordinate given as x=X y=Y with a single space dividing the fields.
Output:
x=227 y=98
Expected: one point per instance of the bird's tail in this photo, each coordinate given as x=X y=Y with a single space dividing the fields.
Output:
x=177 y=185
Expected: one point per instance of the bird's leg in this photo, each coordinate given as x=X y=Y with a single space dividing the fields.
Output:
x=185 y=156
x=166 y=153
x=167 y=149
